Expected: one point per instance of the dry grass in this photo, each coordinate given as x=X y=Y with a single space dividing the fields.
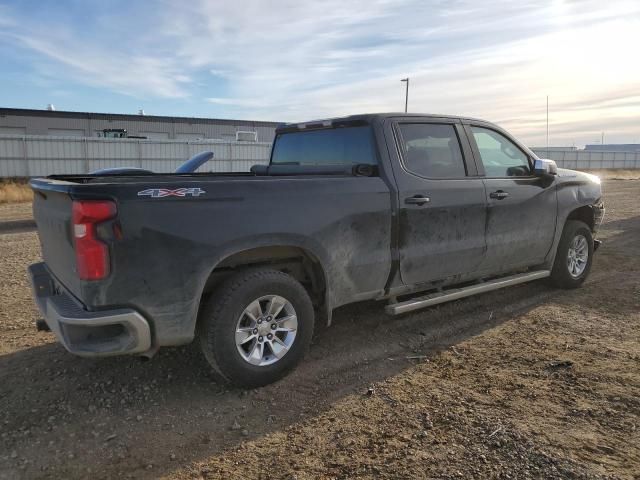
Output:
x=12 y=192
x=616 y=174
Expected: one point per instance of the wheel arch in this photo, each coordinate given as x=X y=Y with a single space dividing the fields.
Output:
x=299 y=262
x=584 y=214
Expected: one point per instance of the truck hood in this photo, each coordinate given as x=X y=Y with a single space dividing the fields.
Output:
x=566 y=174
x=586 y=188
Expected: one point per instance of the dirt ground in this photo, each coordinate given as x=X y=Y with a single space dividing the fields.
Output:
x=616 y=174
x=15 y=211
x=527 y=382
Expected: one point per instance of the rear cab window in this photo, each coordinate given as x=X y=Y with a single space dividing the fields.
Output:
x=330 y=146
x=431 y=150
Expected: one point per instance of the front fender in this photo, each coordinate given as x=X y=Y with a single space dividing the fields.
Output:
x=574 y=190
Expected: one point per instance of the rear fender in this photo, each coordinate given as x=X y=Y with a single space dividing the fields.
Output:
x=278 y=253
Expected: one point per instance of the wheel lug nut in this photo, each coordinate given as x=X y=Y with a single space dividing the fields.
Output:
x=255 y=330
x=259 y=321
x=269 y=336
x=273 y=326
x=260 y=338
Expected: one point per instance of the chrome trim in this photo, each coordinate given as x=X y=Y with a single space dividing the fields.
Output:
x=454 y=294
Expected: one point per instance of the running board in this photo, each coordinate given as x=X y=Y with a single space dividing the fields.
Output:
x=454 y=294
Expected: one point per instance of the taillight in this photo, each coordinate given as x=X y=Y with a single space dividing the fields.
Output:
x=92 y=255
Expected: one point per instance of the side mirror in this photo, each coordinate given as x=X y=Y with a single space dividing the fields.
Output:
x=543 y=167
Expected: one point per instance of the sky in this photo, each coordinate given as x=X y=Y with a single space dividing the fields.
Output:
x=302 y=60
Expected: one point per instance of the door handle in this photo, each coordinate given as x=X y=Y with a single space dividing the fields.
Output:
x=417 y=200
x=500 y=195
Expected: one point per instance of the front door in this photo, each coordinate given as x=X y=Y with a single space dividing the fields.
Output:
x=521 y=208
x=442 y=203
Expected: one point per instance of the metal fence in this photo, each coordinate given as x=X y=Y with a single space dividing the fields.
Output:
x=35 y=155
x=590 y=160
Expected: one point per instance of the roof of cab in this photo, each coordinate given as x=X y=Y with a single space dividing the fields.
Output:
x=361 y=118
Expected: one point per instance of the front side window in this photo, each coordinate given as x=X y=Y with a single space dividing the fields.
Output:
x=332 y=146
x=500 y=156
x=431 y=150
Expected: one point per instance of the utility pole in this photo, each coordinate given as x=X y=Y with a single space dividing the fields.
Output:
x=602 y=139
x=406 y=95
x=547 y=122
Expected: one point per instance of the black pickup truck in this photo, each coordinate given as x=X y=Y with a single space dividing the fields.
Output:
x=412 y=209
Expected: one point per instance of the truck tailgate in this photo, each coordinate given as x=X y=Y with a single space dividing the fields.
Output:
x=52 y=212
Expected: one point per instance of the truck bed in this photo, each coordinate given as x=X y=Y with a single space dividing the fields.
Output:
x=167 y=244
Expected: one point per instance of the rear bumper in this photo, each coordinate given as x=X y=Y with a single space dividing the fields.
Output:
x=88 y=334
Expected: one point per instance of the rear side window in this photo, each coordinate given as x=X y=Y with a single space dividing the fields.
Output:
x=432 y=150
x=500 y=156
x=336 y=146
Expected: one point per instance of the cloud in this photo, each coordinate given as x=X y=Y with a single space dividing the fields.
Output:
x=291 y=61
x=94 y=58
x=497 y=62
x=135 y=75
x=242 y=102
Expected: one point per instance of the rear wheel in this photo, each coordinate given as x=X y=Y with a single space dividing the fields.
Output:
x=574 y=256
x=256 y=327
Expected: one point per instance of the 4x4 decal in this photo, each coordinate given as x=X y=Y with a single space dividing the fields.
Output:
x=165 y=192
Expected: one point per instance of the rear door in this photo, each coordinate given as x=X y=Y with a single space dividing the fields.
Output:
x=521 y=208
x=442 y=202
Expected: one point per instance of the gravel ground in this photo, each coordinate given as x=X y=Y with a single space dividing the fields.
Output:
x=17 y=251
x=527 y=382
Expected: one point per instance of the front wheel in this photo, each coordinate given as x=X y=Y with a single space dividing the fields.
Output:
x=574 y=256
x=256 y=327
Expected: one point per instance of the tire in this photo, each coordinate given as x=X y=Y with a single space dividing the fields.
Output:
x=243 y=352
x=565 y=274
